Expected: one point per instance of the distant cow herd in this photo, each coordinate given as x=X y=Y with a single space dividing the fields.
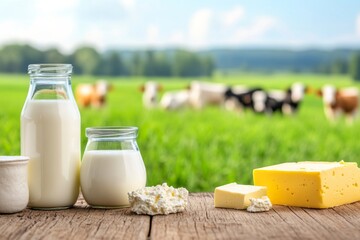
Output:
x=235 y=98
x=199 y=94
x=238 y=98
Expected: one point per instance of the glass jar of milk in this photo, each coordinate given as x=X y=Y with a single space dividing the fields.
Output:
x=50 y=137
x=111 y=166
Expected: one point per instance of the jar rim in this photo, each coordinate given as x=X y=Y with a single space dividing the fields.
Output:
x=13 y=159
x=45 y=69
x=112 y=131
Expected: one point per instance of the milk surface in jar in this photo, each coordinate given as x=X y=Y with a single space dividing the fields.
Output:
x=50 y=137
x=111 y=167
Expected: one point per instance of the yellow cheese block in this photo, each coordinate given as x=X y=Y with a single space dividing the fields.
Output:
x=310 y=184
x=237 y=196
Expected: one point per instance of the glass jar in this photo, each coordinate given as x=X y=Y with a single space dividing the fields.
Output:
x=50 y=137
x=111 y=166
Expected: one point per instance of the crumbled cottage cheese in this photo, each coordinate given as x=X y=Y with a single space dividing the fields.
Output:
x=259 y=204
x=160 y=199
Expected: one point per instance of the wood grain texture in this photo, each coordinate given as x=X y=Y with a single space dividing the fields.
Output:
x=202 y=221
x=80 y=222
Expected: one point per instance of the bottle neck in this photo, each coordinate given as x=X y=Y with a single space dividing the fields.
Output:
x=50 y=81
x=50 y=87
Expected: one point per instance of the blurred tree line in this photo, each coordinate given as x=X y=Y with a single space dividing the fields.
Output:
x=269 y=60
x=343 y=66
x=176 y=62
x=15 y=58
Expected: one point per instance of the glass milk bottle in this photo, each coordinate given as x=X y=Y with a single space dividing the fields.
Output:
x=50 y=137
x=111 y=167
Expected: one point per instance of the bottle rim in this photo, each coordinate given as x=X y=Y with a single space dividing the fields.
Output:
x=124 y=132
x=54 y=70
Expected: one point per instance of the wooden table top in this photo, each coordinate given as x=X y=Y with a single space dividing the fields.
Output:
x=200 y=221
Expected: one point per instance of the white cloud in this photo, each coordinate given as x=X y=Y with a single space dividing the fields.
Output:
x=128 y=5
x=231 y=17
x=94 y=37
x=199 y=26
x=101 y=38
x=177 y=38
x=47 y=24
x=358 y=25
x=152 y=33
x=121 y=23
x=57 y=31
x=51 y=7
x=10 y=31
x=261 y=26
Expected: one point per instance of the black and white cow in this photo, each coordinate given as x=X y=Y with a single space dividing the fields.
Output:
x=286 y=102
x=253 y=99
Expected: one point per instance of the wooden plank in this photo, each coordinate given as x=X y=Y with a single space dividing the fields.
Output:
x=202 y=221
x=80 y=222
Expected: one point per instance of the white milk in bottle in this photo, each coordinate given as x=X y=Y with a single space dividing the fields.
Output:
x=50 y=137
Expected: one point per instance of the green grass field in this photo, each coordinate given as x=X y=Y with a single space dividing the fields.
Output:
x=203 y=149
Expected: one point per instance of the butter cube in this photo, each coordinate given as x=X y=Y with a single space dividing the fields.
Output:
x=310 y=184
x=237 y=196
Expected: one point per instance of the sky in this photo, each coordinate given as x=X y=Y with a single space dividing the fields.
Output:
x=192 y=24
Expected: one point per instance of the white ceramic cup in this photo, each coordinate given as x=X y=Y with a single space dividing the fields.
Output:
x=14 y=191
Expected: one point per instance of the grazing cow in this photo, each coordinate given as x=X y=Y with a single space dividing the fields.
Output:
x=275 y=101
x=294 y=97
x=205 y=93
x=286 y=102
x=150 y=93
x=338 y=101
x=252 y=98
x=93 y=94
x=175 y=100
x=231 y=103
